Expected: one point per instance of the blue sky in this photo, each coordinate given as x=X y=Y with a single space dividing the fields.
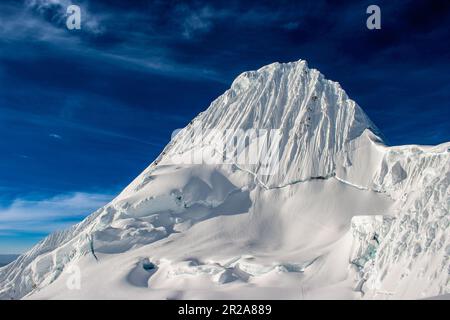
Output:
x=83 y=112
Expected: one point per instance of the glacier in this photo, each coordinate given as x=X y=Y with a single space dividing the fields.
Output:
x=344 y=216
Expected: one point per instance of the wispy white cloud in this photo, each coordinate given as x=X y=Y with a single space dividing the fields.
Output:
x=147 y=47
x=46 y=215
x=55 y=11
x=195 y=21
x=198 y=20
x=55 y=136
x=43 y=21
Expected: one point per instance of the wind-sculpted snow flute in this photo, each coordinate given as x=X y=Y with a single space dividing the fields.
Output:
x=240 y=147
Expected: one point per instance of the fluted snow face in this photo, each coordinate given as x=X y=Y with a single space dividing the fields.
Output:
x=313 y=117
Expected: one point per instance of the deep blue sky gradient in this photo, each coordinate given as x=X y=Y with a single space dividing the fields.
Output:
x=83 y=112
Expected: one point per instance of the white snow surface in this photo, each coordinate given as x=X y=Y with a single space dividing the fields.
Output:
x=344 y=217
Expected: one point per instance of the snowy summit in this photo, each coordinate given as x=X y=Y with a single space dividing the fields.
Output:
x=281 y=189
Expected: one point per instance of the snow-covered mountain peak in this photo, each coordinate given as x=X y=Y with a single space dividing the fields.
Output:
x=243 y=81
x=313 y=116
x=329 y=212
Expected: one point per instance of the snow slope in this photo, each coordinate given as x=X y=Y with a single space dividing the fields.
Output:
x=337 y=215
